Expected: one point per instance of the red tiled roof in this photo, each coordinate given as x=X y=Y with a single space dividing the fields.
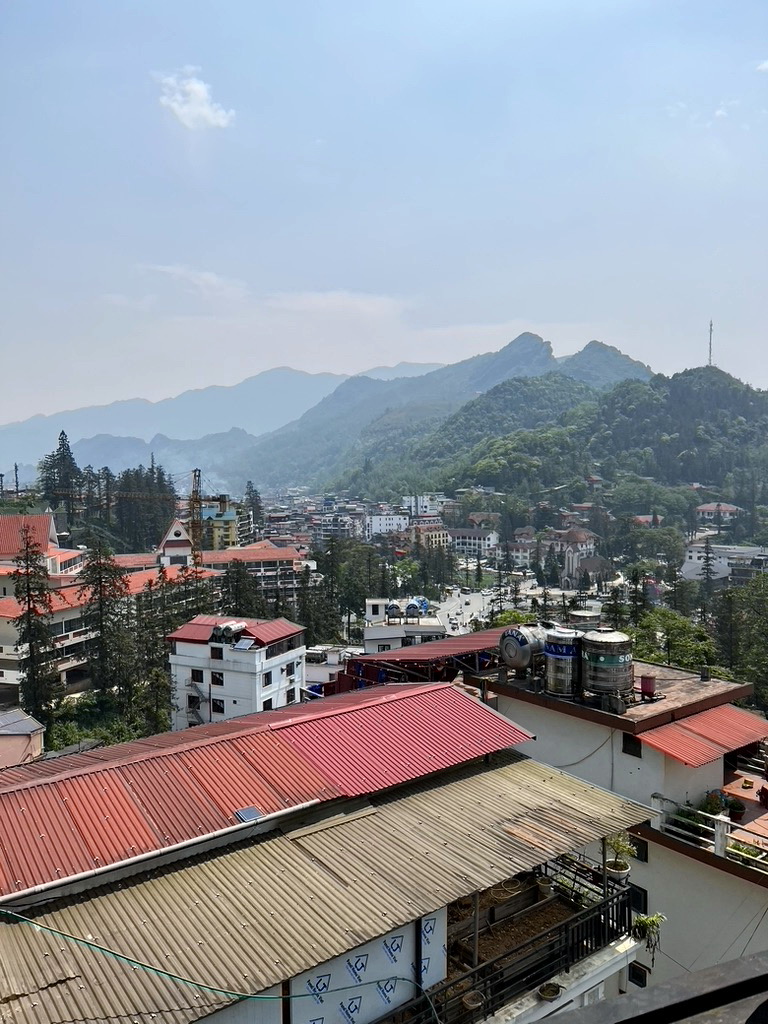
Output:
x=140 y=561
x=265 y=631
x=40 y=526
x=703 y=738
x=61 y=600
x=436 y=650
x=83 y=811
x=272 y=554
x=138 y=580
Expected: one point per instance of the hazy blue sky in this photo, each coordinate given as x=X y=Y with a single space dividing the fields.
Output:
x=193 y=192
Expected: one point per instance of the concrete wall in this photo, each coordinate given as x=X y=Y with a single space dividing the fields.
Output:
x=589 y=751
x=18 y=749
x=243 y=691
x=712 y=916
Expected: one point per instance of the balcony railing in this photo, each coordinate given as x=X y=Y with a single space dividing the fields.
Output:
x=478 y=993
x=715 y=833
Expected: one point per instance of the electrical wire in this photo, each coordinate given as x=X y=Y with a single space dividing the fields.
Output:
x=203 y=986
x=586 y=756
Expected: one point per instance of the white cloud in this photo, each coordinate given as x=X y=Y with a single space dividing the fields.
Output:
x=204 y=283
x=189 y=100
x=762 y=66
x=677 y=109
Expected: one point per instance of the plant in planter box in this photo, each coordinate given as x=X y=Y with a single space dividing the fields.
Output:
x=647 y=928
x=736 y=809
x=622 y=849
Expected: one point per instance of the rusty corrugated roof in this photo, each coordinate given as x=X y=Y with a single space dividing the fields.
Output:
x=437 y=650
x=265 y=631
x=84 y=811
x=707 y=736
x=333 y=884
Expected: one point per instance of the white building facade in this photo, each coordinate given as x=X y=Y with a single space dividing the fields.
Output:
x=223 y=668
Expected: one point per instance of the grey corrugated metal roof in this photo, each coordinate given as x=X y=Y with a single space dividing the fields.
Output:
x=19 y=723
x=263 y=912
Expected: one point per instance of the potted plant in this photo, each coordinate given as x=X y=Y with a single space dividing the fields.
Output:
x=647 y=928
x=617 y=867
x=736 y=809
x=550 y=991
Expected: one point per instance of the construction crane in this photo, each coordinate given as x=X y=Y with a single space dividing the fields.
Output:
x=195 y=507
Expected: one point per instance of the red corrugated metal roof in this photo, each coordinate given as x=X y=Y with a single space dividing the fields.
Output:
x=703 y=738
x=374 y=748
x=67 y=815
x=436 y=650
x=265 y=631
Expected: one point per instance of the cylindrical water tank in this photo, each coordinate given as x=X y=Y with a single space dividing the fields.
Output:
x=583 y=619
x=519 y=644
x=562 y=650
x=607 y=661
x=413 y=608
x=394 y=609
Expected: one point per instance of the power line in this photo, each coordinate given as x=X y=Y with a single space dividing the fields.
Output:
x=204 y=986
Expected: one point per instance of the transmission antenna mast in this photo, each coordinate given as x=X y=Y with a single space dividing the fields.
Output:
x=710 y=342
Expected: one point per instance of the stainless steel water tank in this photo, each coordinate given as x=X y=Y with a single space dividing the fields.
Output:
x=607 y=661
x=562 y=650
x=519 y=644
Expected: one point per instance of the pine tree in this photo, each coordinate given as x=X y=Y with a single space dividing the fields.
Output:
x=40 y=688
x=240 y=594
x=614 y=609
x=252 y=501
x=60 y=478
x=707 y=574
x=104 y=587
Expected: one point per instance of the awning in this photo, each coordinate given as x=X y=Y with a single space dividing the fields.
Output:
x=707 y=736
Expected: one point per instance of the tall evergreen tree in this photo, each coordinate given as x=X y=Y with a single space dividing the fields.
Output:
x=111 y=657
x=60 y=477
x=252 y=501
x=240 y=593
x=40 y=688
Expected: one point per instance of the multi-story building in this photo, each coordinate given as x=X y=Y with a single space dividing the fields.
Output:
x=425 y=504
x=219 y=524
x=225 y=668
x=429 y=532
x=390 y=625
x=382 y=523
x=669 y=741
x=736 y=561
x=472 y=542
x=323 y=664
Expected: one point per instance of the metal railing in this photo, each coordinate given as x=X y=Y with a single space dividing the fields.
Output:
x=714 y=833
x=522 y=969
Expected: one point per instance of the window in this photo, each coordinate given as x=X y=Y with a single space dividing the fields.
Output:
x=641 y=849
x=217 y=653
x=290 y=668
x=266 y=679
x=638 y=975
x=267 y=705
x=217 y=678
x=217 y=706
x=290 y=696
x=631 y=745
x=197 y=675
x=383 y=647
x=374 y=609
x=193 y=702
x=638 y=898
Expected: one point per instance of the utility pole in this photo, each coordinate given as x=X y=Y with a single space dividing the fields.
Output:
x=16 y=477
x=710 y=342
x=2 y=489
